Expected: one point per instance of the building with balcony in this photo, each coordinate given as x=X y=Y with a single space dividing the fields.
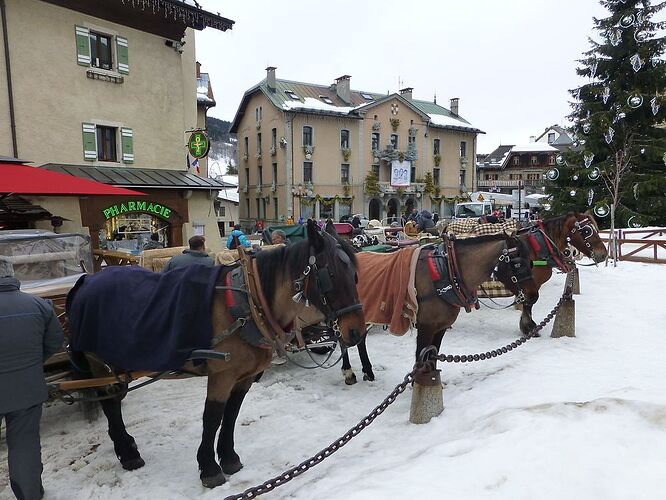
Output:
x=313 y=150
x=108 y=90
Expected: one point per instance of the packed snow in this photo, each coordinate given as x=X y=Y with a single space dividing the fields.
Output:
x=449 y=121
x=576 y=418
x=533 y=147
x=312 y=103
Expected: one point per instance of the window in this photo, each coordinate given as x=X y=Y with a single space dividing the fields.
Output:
x=307 y=211
x=100 y=51
x=273 y=138
x=411 y=141
x=247 y=178
x=462 y=177
x=307 y=136
x=491 y=177
x=367 y=97
x=259 y=200
x=343 y=209
x=375 y=170
x=435 y=176
x=326 y=99
x=515 y=177
x=247 y=208
x=344 y=139
x=259 y=144
x=551 y=159
x=375 y=141
x=274 y=173
x=516 y=160
x=412 y=174
x=260 y=171
x=551 y=137
x=275 y=208
x=106 y=144
x=435 y=147
x=344 y=173
x=394 y=141
x=223 y=211
x=291 y=95
x=533 y=176
x=246 y=143
x=463 y=149
x=307 y=171
x=326 y=207
x=256 y=114
x=534 y=160
x=261 y=113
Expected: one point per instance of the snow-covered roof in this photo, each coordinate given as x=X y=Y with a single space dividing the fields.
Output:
x=204 y=93
x=231 y=193
x=450 y=121
x=313 y=103
x=533 y=147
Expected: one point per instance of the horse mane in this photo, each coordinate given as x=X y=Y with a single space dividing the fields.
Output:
x=555 y=225
x=290 y=260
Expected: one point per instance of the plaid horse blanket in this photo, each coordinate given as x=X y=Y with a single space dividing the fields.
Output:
x=470 y=228
x=386 y=288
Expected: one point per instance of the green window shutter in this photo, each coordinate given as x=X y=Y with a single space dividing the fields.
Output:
x=127 y=144
x=123 y=55
x=89 y=142
x=82 y=45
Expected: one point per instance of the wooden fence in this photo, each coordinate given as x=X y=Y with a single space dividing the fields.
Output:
x=632 y=242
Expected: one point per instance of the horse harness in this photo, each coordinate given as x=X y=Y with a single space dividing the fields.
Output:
x=445 y=273
x=544 y=249
x=586 y=229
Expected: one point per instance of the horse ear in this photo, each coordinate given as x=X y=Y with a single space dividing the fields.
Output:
x=330 y=228
x=314 y=236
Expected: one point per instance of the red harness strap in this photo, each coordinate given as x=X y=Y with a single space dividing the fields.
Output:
x=434 y=274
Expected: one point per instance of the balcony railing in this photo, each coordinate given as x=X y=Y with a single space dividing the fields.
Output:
x=414 y=187
x=510 y=183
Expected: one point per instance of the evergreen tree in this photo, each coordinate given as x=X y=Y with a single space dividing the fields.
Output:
x=618 y=165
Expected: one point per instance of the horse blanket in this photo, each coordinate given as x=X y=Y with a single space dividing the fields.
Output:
x=135 y=319
x=386 y=288
x=470 y=228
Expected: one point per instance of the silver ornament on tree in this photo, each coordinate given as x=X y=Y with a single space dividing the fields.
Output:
x=636 y=62
x=608 y=136
x=635 y=100
x=590 y=197
x=594 y=174
x=601 y=210
x=586 y=128
x=605 y=95
x=593 y=68
x=559 y=159
x=634 y=222
x=554 y=174
x=635 y=190
x=627 y=20
x=572 y=193
x=654 y=105
x=614 y=37
x=574 y=177
x=641 y=36
x=588 y=158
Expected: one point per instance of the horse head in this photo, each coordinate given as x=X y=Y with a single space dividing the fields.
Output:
x=515 y=270
x=329 y=283
x=583 y=234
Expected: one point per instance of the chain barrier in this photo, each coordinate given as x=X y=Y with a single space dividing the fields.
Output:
x=304 y=466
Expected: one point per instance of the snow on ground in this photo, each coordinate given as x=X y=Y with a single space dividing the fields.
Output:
x=576 y=418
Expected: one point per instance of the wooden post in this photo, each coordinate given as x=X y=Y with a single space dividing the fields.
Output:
x=575 y=280
x=565 y=320
x=427 y=397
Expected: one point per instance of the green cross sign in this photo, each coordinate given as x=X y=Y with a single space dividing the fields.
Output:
x=198 y=144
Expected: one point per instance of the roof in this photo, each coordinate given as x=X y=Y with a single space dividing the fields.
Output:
x=230 y=193
x=497 y=158
x=323 y=99
x=22 y=179
x=563 y=139
x=139 y=177
x=17 y=207
x=205 y=91
x=533 y=147
x=501 y=155
x=191 y=14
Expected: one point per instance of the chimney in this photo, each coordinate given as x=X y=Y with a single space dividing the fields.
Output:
x=342 y=88
x=270 y=77
x=198 y=69
x=533 y=138
x=407 y=93
x=454 y=105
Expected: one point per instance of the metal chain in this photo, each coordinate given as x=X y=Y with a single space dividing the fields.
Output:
x=304 y=466
x=467 y=358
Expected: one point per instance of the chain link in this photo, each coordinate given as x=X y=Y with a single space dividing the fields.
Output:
x=304 y=466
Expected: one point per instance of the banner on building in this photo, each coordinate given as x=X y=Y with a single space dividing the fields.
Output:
x=400 y=173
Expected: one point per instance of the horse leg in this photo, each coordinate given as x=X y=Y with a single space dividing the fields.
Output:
x=123 y=443
x=526 y=321
x=211 y=474
x=229 y=459
x=347 y=372
x=368 y=374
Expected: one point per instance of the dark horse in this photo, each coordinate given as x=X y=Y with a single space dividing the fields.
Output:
x=576 y=229
x=320 y=269
x=477 y=259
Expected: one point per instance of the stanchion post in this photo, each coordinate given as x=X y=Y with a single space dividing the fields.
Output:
x=575 y=281
x=427 y=397
x=565 y=320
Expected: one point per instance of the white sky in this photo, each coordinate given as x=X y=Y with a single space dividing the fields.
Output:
x=510 y=63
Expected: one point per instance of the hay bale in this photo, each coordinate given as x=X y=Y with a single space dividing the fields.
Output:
x=157 y=258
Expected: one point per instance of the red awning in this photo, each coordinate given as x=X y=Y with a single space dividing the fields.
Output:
x=21 y=179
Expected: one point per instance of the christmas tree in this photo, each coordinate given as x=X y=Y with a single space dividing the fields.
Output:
x=618 y=165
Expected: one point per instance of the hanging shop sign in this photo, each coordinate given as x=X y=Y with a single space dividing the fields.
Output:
x=148 y=207
x=198 y=144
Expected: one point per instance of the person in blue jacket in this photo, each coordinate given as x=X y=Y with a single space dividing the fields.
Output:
x=236 y=238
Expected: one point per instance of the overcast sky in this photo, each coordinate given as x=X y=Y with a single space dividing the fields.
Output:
x=510 y=62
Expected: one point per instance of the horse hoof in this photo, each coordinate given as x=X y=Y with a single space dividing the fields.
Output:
x=350 y=380
x=368 y=377
x=133 y=464
x=232 y=468
x=213 y=481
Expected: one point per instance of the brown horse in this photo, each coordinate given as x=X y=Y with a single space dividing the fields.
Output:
x=320 y=270
x=579 y=230
x=477 y=259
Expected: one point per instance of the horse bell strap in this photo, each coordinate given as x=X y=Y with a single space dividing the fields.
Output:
x=254 y=298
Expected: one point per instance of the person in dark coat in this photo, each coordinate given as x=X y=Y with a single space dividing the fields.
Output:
x=425 y=221
x=29 y=334
x=196 y=254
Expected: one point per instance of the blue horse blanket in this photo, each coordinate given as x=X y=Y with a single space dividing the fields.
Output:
x=136 y=319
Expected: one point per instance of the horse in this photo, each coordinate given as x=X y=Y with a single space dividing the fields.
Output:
x=548 y=241
x=319 y=271
x=477 y=258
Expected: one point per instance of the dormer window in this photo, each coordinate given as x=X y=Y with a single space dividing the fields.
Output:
x=292 y=95
x=367 y=97
x=326 y=99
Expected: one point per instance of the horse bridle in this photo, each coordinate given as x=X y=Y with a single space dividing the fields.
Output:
x=323 y=282
x=586 y=229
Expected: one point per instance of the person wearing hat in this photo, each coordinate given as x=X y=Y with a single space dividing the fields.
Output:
x=29 y=334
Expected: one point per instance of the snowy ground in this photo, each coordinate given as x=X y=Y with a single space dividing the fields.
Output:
x=574 y=418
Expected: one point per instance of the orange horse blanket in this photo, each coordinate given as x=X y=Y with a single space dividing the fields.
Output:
x=386 y=288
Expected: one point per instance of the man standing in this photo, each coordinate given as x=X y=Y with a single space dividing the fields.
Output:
x=29 y=334
x=196 y=254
